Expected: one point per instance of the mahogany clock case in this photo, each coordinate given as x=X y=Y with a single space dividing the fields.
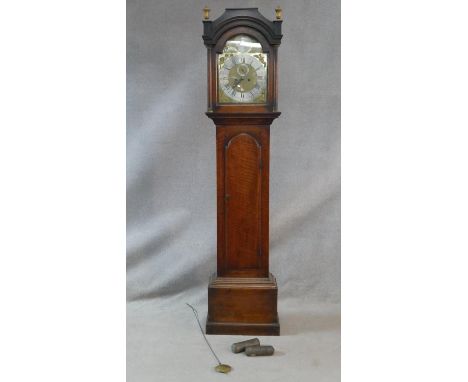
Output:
x=171 y=155
x=242 y=294
x=172 y=197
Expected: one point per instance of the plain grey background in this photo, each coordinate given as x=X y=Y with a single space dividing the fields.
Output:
x=171 y=185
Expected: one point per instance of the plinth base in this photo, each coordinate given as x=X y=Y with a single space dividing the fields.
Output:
x=243 y=306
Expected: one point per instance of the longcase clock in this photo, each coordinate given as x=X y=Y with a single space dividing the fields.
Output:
x=242 y=102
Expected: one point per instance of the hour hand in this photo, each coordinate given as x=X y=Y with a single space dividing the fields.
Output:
x=236 y=82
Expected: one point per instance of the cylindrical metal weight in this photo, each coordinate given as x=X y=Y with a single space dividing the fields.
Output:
x=240 y=346
x=258 y=350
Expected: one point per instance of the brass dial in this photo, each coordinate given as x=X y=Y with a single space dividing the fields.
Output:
x=242 y=72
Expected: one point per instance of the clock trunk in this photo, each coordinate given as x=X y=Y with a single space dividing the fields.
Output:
x=242 y=294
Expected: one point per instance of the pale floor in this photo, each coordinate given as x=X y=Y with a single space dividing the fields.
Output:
x=164 y=344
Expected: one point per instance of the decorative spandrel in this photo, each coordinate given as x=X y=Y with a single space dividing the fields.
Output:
x=242 y=71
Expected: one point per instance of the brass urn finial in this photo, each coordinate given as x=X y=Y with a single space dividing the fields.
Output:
x=279 y=13
x=206 y=13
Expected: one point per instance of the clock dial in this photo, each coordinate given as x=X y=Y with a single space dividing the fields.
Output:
x=242 y=78
x=242 y=72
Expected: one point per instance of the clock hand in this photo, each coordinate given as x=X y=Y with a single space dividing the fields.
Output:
x=238 y=82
